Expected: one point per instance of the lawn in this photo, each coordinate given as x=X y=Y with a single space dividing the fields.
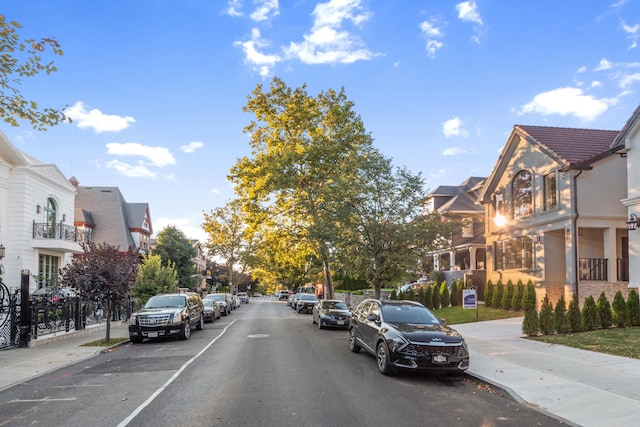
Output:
x=457 y=315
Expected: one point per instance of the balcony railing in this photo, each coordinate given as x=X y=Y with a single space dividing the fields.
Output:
x=60 y=231
x=593 y=269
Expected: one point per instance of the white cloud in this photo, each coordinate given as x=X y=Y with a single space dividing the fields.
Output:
x=604 y=64
x=629 y=79
x=260 y=62
x=266 y=9
x=567 y=101
x=453 y=127
x=234 y=8
x=191 y=227
x=468 y=11
x=158 y=156
x=191 y=147
x=97 y=120
x=429 y=29
x=132 y=171
x=631 y=29
x=454 y=151
x=432 y=32
x=216 y=191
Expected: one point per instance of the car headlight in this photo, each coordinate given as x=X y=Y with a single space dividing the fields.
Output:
x=133 y=320
x=397 y=343
x=177 y=317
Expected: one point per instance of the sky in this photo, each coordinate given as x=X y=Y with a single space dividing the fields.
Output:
x=155 y=88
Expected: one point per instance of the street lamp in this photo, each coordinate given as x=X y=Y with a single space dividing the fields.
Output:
x=633 y=223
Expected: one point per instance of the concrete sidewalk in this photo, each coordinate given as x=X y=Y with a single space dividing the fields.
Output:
x=580 y=387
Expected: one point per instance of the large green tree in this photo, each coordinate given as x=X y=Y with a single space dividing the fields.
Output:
x=153 y=278
x=22 y=58
x=304 y=153
x=102 y=274
x=176 y=249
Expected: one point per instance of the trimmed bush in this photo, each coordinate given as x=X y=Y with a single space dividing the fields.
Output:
x=547 y=326
x=574 y=316
x=488 y=293
x=516 y=302
x=560 y=317
x=604 y=311
x=394 y=295
x=590 y=316
x=455 y=295
x=435 y=297
x=445 y=297
x=498 y=295
x=530 y=323
x=633 y=307
x=619 y=312
x=428 y=297
x=508 y=295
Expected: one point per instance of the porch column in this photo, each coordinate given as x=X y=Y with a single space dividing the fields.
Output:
x=472 y=258
x=452 y=260
x=611 y=253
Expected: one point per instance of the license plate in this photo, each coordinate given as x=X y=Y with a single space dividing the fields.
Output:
x=152 y=335
x=340 y=322
x=438 y=358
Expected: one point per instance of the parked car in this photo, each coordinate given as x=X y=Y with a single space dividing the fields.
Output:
x=167 y=315
x=244 y=297
x=52 y=294
x=291 y=300
x=306 y=302
x=223 y=302
x=283 y=295
x=406 y=335
x=331 y=313
x=211 y=310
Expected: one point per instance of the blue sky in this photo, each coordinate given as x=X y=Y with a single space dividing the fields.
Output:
x=156 y=87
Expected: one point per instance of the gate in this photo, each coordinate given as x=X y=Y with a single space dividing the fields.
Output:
x=9 y=317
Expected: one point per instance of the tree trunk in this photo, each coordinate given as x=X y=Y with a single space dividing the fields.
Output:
x=109 y=312
x=328 y=291
x=376 y=287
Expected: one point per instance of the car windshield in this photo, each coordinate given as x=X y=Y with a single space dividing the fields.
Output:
x=394 y=313
x=308 y=297
x=216 y=297
x=334 y=305
x=166 y=301
x=208 y=303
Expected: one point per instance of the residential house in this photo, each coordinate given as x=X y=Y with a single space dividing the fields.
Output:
x=36 y=218
x=200 y=265
x=112 y=219
x=463 y=256
x=554 y=213
x=628 y=144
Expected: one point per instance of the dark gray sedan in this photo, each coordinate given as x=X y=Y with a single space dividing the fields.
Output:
x=331 y=313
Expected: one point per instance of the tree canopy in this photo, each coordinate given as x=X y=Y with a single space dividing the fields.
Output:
x=153 y=278
x=22 y=58
x=176 y=249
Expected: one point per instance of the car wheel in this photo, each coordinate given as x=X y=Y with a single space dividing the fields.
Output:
x=382 y=357
x=200 y=325
x=185 y=333
x=320 y=323
x=353 y=345
x=136 y=339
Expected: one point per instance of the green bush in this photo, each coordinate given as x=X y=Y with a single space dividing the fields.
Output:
x=435 y=297
x=633 y=307
x=620 y=314
x=590 y=317
x=508 y=296
x=428 y=297
x=455 y=295
x=560 y=317
x=445 y=297
x=604 y=311
x=497 y=295
x=394 y=295
x=516 y=302
x=530 y=323
x=574 y=316
x=547 y=326
x=436 y=276
x=488 y=293
x=421 y=296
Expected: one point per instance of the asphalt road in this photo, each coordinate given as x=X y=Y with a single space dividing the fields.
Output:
x=264 y=365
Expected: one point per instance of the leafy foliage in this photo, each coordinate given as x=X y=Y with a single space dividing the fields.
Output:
x=507 y=297
x=488 y=294
x=547 y=325
x=574 y=316
x=604 y=311
x=530 y=323
x=633 y=306
x=175 y=249
x=444 y=295
x=620 y=312
x=516 y=301
x=560 y=317
x=153 y=278
x=19 y=59
x=455 y=293
x=590 y=315
x=498 y=295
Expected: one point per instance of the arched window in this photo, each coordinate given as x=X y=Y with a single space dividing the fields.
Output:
x=50 y=212
x=522 y=194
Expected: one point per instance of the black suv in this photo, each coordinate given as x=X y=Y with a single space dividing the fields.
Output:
x=406 y=335
x=167 y=315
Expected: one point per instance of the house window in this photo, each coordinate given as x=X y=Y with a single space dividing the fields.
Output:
x=48 y=270
x=467 y=227
x=514 y=253
x=550 y=192
x=522 y=194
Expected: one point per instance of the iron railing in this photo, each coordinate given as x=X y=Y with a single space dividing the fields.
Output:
x=593 y=269
x=61 y=231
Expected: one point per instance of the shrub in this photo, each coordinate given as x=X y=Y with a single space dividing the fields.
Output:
x=445 y=297
x=604 y=311
x=497 y=296
x=435 y=297
x=421 y=296
x=455 y=295
x=436 y=276
x=508 y=296
x=516 y=302
x=529 y=297
x=488 y=293
x=574 y=316
x=530 y=323
x=590 y=317
x=394 y=295
x=633 y=307
x=620 y=314
x=547 y=326
x=560 y=317
x=428 y=297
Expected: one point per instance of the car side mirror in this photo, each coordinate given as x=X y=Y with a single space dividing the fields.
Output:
x=373 y=317
x=443 y=320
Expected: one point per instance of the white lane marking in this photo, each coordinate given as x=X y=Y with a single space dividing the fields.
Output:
x=151 y=398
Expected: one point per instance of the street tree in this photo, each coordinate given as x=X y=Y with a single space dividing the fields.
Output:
x=102 y=274
x=304 y=152
x=153 y=278
x=22 y=58
x=177 y=250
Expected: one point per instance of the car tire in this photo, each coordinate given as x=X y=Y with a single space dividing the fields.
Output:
x=200 y=324
x=185 y=333
x=136 y=339
x=320 y=324
x=382 y=357
x=353 y=345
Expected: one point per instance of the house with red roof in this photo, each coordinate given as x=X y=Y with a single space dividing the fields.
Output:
x=555 y=215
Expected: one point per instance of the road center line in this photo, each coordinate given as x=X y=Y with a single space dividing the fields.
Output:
x=151 y=398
